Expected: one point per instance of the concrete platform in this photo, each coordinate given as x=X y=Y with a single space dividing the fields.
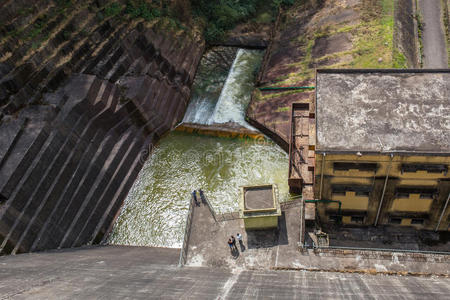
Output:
x=258 y=197
x=278 y=249
x=118 y=272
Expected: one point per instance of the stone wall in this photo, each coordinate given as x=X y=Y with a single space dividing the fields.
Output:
x=79 y=117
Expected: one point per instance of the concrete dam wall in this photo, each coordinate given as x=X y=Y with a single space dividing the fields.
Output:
x=79 y=114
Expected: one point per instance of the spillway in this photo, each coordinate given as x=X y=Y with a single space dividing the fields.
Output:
x=155 y=209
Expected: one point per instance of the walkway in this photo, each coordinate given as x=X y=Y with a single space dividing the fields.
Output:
x=114 y=272
x=433 y=39
x=278 y=249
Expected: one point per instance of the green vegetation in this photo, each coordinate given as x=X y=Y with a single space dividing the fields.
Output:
x=371 y=45
x=63 y=5
x=142 y=9
x=420 y=26
x=37 y=27
x=374 y=46
x=220 y=16
x=26 y=11
x=399 y=60
x=112 y=9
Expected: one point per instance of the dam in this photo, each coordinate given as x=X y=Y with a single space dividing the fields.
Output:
x=113 y=112
x=154 y=211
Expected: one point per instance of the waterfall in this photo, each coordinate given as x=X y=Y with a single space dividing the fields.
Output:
x=236 y=92
x=230 y=105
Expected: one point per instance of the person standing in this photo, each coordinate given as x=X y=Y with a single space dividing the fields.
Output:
x=230 y=243
x=233 y=240
x=239 y=237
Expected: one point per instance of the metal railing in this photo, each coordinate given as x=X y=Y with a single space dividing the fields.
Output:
x=206 y=201
x=234 y=215
x=187 y=233
x=392 y=250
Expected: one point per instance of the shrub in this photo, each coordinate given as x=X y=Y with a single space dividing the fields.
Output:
x=223 y=15
x=142 y=9
x=112 y=9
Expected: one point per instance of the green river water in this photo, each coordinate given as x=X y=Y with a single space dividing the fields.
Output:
x=155 y=210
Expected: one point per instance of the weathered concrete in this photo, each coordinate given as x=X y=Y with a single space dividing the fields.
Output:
x=433 y=39
x=258 y=198
x=390 y=237
x=151 y=273
x=278 y=249
x=78 y=113
x=383 y=111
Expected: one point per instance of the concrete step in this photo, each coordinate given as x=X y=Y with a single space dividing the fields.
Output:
x=21 y=204
x=25 y=202
x=12 y=16
x=104 y=32
x=20 y=49
x=75 y=190
x=48 y=181
x=80 y=158
x=172 y=113
x=23 y=153
x=79 y=199
x=107 y=61
x=88 y=217
x=120 y=68
x=51 y=233
x=90 y=65
x=10 y=130
x=63 y=26
x=30 y=177
x=131 y=167
x=49 y=65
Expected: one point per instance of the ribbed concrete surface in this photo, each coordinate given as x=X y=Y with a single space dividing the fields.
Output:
x=116 y=272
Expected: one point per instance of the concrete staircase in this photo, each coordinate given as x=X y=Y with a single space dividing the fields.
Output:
x=79 y=113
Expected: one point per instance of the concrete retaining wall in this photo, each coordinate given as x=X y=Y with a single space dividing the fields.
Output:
x=405 y=31
x=70 y=156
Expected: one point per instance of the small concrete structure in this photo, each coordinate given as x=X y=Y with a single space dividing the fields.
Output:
x=259 y=207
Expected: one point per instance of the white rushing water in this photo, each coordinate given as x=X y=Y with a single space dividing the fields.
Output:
x=229 y=107
x=236 y=93
x=155 y=210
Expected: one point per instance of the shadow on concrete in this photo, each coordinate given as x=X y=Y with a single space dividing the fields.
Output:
x=269 y=238
x=241 y=245
x=404 y=238
x=234 y=252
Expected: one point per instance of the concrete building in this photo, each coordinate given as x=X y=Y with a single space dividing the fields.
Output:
x=259 y=206
x=382 y=149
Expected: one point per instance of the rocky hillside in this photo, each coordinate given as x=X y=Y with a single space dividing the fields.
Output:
x=328 y=34
x=85 y=90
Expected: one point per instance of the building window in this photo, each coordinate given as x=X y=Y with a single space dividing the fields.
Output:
x=426 y=195
x=395 y=220
x=338 y=193
x=417 y=222
x=362 y=193
x=363 y=167
x=335 y=219
x=424 y=192
x=429 y=168
x=357 y=219
x=359 y=190
x=402 y=195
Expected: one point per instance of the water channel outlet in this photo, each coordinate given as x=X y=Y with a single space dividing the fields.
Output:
x=154 y=211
